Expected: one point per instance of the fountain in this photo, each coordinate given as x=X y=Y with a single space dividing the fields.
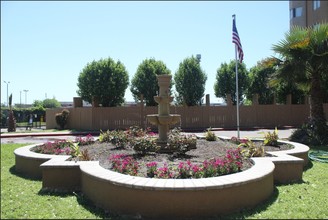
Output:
x=163 y=119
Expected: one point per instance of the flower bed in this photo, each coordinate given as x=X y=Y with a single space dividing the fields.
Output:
x=166 y=198
x=231 y=163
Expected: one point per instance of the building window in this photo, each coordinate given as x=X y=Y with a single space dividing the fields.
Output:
x=316 y=4
x=296 y=12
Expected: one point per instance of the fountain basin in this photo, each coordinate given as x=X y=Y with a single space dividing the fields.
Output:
x=163 y=100
x=170 y=119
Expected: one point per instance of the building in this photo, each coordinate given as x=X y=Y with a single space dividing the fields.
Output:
x=308 y=13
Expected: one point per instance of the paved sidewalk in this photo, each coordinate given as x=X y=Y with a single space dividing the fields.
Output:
x=23 y=136
x=36 y=135
x=256 y=133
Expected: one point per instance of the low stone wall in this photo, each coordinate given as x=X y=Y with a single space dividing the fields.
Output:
x=29 y=162
x=289 y=164
x=165 y=198
x=177 y=198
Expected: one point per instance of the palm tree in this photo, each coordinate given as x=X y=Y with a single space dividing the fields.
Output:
x=304 y=60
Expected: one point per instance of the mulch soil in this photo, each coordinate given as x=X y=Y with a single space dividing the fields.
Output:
x=205 y=150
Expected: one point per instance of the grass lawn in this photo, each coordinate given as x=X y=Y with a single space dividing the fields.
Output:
x=21 y=197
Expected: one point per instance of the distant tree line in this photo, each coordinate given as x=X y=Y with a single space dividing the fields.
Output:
x=300 y=70
x=106 y=82
x=22 y=114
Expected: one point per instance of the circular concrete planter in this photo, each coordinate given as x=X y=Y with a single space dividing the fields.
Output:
x=165 y=198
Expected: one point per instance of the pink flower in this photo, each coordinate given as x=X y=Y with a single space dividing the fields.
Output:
x=196 y=168
x=152 y=164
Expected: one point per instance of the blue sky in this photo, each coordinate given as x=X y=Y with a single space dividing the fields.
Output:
x=45 y=45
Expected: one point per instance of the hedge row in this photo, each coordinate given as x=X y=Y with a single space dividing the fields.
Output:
x=23 y=114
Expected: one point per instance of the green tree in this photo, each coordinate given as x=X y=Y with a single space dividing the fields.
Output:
x=106 y=80
x=260 y=83
x=285 y=88
x=51 y=103
x=304 y=60
x=226 y=81
x=190 y=82
x=145 y=81
x=259 y=77
x=37 y=103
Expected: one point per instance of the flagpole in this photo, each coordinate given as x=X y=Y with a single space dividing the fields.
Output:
x=237 y=92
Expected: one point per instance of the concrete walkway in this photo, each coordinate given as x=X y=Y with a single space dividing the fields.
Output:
x=38 y=136
x=256 y=133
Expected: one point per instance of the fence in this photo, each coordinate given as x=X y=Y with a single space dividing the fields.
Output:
x=192 y=118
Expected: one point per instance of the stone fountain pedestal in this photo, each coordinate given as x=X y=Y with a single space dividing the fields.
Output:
x=163 y=119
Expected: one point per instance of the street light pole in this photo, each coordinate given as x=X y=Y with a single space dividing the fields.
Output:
x=25 y=90
x=20 y=99
x=7 y=82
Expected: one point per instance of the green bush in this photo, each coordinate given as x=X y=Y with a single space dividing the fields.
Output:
x=249 y=149
x=309 y=134
x=61 y=118
x=179 y=143
x=136 y=131
x=117 y=137
x=104 y=136
x=3 y=117
x=271 y=139
x=210 y=136
x=145 y=144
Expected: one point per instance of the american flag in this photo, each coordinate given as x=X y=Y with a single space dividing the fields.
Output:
x=236 y=40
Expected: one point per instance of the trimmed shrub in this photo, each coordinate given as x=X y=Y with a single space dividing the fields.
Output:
x=62 y=118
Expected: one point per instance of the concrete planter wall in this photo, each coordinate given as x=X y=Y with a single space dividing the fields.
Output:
x=165 y=198
x=289 y=164
x=177 y=198
x=29 y=162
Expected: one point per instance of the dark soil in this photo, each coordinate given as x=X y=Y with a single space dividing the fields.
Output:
x=205 y=150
